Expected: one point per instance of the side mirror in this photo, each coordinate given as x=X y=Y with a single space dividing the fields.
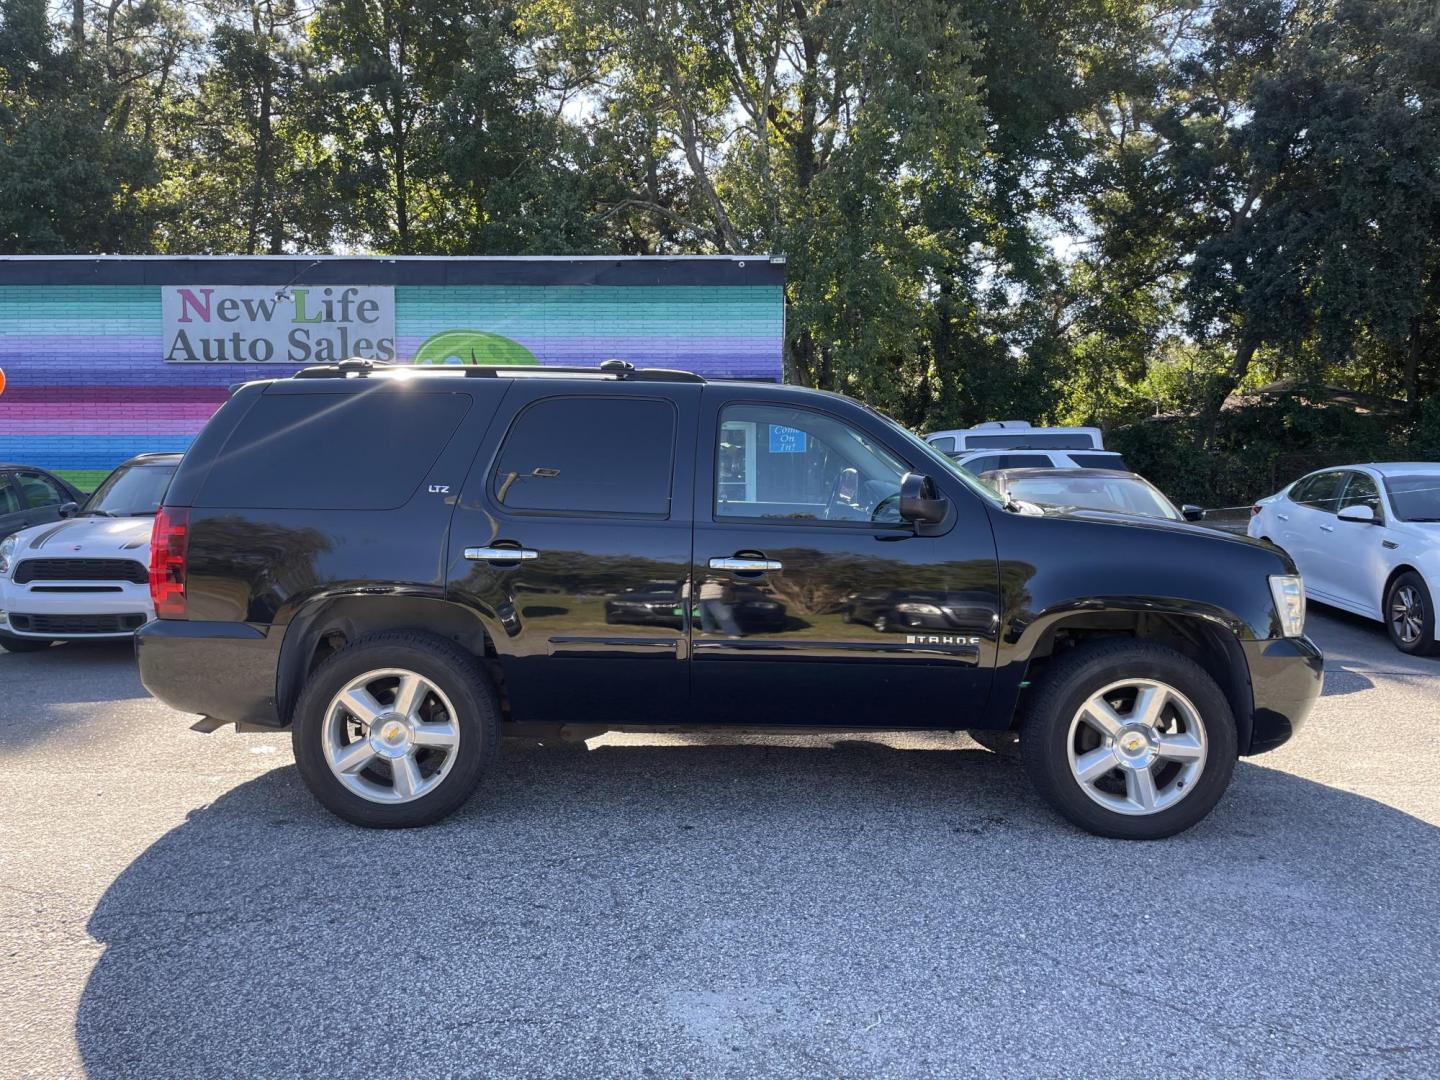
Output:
x=1358 y=512
x=69 y=509
x=919 y=501
x=1191 y=512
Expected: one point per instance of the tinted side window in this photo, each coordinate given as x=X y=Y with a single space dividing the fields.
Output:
x=589 y=456
x=1362 y=491
x=991 y=462
x=1052 y=440
x=9 y=496
x=355 y=451
x=1098 y=461
x=1024 y=461
x=784 y=464
x=39 y=490
x=945 y=444
x=1321 y=492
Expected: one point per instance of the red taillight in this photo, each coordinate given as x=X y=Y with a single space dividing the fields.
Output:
x=1255 y=509
x=169 y=542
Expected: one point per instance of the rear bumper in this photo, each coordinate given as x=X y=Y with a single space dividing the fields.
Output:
x=1286 y=675
x=223 y=670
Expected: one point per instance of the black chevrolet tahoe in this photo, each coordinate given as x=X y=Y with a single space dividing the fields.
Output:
x=402 y=566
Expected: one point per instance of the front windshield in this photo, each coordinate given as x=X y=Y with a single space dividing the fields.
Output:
x=131 y=491
x=1121 y=494
x=946 y=464
x=1415 y=498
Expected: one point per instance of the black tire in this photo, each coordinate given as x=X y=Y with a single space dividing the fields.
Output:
x=1065 y=686
x=452 y=670
x=1424 y=643
x=10 y=643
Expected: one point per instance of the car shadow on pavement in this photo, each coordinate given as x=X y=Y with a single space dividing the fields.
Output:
x=753 y=909
x=1340 y=681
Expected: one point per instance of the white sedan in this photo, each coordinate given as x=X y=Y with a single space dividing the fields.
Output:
x=1367 y=539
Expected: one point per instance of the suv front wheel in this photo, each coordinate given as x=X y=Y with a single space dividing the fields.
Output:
x=1129 y=739
x=396 y=730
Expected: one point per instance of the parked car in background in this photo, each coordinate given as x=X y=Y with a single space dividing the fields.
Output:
x=919 y=609
x=31 y=496
x=661 y=603
x=400 y=600
x=1366 y=538
x=87 y=576
x=1089 y=489
x=1015 y=444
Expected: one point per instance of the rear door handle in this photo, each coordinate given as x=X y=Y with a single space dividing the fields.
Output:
x=1282 y=517
x=1327 y=528
x=742 y=565
x=500 y=554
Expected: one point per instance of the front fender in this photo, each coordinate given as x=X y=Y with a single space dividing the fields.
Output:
x=1134 y=577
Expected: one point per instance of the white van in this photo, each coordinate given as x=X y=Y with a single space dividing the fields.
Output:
x=1016 y=444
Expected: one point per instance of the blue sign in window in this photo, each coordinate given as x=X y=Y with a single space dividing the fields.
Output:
x=786 y=440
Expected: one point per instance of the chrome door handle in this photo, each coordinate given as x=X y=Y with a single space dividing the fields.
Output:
x=498 y=554
x=741 y=565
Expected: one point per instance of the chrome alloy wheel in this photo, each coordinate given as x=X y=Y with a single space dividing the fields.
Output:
x=390 y=736
x=1407 y=613
x=1137 y=746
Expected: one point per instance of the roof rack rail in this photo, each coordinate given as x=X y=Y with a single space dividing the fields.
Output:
x=618 y=369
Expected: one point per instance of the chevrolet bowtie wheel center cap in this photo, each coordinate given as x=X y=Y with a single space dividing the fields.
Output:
x=1134 y=747
x=392 y=736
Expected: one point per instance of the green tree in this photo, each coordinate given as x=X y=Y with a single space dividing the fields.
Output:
x=72 y=175
x=1307 y=135
x=246 y=159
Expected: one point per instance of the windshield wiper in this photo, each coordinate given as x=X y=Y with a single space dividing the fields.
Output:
x=96 y=513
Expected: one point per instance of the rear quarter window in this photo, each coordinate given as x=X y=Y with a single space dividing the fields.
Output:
x=352 y=451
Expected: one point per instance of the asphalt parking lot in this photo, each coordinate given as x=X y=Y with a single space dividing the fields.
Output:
x=175 y=904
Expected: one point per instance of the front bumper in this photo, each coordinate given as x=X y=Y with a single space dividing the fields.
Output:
x=222 y=670
x=1286 y=676
x=73 y=610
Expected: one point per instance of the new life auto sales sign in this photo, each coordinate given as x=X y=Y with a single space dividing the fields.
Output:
x=257 y=324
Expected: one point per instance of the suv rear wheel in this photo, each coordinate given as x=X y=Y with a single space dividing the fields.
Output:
x=396 y=730
x=1129 y=739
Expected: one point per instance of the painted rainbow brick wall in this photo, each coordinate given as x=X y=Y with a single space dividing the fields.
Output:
x=81 y=340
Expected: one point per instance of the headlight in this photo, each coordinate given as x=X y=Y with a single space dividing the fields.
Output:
x=1288 y=592
x=7 y=553
x=918 y=609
